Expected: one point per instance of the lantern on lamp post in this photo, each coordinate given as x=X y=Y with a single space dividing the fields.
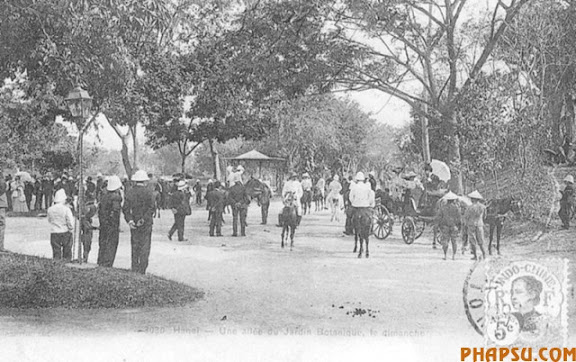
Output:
x=80 y=105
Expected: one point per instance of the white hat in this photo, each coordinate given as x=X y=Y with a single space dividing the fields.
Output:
x=60 y=196
x=475 y=195
x=336 y=177
x=140 y=176
x=360 y=176
x=181 y=185
x=114 y=183
x=240 y=168
x=305 y=174
x=372 y=173
x=450 y=196
x=569 y=178
x=99 y=174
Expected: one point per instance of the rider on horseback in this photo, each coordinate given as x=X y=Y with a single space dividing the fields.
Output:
x=293 y=185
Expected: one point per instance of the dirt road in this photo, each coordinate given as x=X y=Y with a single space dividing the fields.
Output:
x=403 y=295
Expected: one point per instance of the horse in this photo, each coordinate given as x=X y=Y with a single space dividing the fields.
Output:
x=496 y=211
x=306 y=202
x=254 y=188
x=289 y=219
x=316 y=198
x=362 y=223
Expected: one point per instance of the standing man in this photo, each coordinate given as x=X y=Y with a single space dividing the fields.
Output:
x=99 y=186
x=449 y=222
x=197 y=188
x=109 y=216
x=3 y=207
x=138 y=212
x=180 y=209
x=294 y=186
x=62 y=221
x=48 y=189
x=28 y=193
x=86 y=225
x=474 y=221
x=567 y=201
x=348 y=208
x=264 y=201
x=239 y=200
x=216 y=198
x=38 y=193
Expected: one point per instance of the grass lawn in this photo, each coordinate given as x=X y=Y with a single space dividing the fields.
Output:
x=33 y=282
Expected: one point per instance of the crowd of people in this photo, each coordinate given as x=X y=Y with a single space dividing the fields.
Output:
x=141 y=199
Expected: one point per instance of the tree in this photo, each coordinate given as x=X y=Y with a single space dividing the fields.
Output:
x=422 y=42
x=539 y=43
x=99 y=44
x=27 y=129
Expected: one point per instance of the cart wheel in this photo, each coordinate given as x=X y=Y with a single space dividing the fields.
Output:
x=408 y=230
x=382 y=223
x=420 y=226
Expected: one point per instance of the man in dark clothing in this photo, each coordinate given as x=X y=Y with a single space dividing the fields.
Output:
x=180 y=209
x=38 y=193
x=109 y=216
x=86 y=225
x=216 y=199
x=264 y=202
x=138 y=212
x=9 y=192
x=239 y=200
x=28 y=192
x=349 y=225
x=90 y=188
x=99 y=186
x=47 y=190
x=198 y=192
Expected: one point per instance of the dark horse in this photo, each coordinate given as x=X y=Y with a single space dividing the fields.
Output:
x=306 y=201
x=288 y=218
x=362 y=223
x=254 y=188
x=318 y=198
x=496 y=211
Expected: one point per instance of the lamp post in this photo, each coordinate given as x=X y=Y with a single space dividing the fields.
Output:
x=80 y=104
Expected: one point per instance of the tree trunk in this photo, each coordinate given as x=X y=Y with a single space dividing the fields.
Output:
x=126 y=157
x=569 y=116
x=215 y=160
x=183 y=157
x=135 y=144
x=454 y=156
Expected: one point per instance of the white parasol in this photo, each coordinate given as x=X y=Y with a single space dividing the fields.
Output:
x=24 y=176
x=441 y=170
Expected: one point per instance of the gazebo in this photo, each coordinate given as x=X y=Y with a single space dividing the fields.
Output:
x=261 y=166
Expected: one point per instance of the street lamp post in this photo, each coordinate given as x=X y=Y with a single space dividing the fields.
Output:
x=80 y=104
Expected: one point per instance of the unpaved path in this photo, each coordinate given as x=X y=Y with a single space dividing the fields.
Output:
x=253 y=287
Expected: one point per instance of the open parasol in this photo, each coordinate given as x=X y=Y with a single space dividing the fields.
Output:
x=441 y=170
x=24 y=176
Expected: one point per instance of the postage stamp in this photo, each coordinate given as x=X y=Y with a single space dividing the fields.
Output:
x=526 y=302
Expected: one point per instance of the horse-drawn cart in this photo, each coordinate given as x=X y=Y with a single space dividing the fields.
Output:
x=415 y=219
